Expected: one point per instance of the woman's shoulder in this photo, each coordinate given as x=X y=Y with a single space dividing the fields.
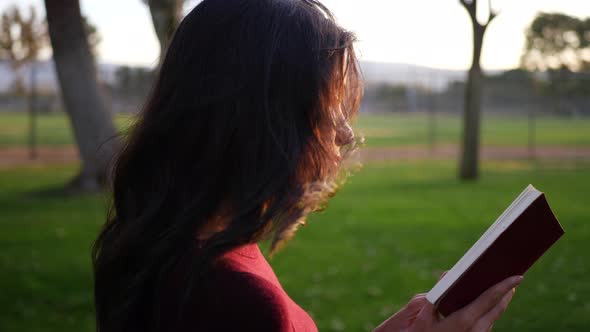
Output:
x=247 y=300
x=233 y=282
x=240 y=292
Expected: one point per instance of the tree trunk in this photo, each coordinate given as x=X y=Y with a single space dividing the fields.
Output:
x=166 y=15
x=92 y=122
x=469 y=165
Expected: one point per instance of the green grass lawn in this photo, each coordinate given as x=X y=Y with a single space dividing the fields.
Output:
x=379 y=129
x=386 y=236
x=53 y=129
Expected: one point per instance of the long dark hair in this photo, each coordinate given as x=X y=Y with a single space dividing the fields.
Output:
x=239 y=124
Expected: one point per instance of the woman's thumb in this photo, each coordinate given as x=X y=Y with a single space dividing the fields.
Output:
x=426 y=318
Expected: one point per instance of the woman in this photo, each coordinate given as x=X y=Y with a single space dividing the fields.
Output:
x=242 y=137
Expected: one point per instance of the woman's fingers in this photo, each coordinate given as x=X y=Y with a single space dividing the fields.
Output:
x=404 y=318
x=426 y=319
x=468 y=316
x=487 y=321
x=413 y=308
x=486 y=301
x=415 y=305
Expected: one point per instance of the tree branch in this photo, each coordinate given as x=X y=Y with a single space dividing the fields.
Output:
x=471 y=7
x=492 y=14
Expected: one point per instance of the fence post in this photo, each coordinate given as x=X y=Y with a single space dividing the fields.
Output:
x=531 y=130
x=33 y=154
x=432 y=121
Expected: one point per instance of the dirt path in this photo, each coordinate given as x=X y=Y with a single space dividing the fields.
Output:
x=19 y=156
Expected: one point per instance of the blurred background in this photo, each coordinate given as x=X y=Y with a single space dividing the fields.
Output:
x=466 y=102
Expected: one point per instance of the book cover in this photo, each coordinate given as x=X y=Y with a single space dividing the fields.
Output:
x=517 y=248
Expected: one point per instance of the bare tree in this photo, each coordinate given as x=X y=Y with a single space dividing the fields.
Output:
x=469 y=164
x=166 y=15
x=91 y=119
x=21 y=39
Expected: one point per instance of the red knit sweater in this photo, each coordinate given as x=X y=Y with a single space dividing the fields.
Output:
x=244 y=294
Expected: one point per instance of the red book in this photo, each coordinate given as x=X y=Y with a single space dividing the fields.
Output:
x=519 y=237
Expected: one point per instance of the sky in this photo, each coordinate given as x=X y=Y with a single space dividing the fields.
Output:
x=432 y=33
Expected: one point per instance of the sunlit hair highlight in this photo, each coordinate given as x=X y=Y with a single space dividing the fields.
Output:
x=323 y=168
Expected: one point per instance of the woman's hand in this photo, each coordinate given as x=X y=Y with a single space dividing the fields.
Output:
x=479 y=316
x=403 y=319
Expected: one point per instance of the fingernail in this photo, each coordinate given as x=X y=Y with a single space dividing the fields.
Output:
x=509 y=296
x=517 y=279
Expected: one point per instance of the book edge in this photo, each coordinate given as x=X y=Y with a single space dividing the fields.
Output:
x=442 y=287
